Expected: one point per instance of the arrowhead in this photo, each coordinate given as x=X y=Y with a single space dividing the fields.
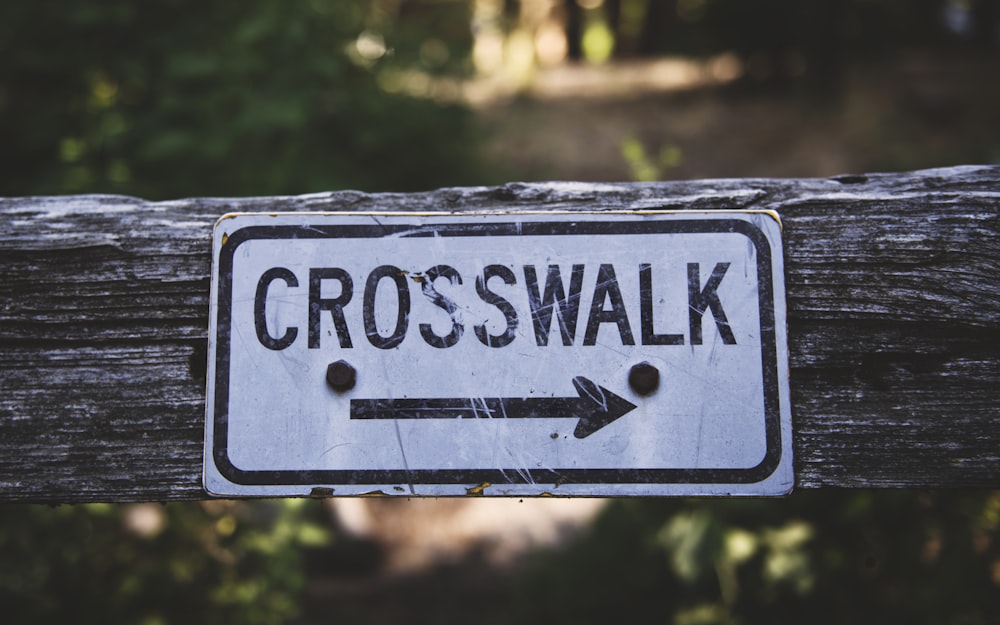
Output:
x=603 y=406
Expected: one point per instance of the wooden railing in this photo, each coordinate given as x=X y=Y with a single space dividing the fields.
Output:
x=893 y=289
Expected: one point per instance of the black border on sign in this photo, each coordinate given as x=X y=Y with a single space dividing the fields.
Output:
x=525 y=227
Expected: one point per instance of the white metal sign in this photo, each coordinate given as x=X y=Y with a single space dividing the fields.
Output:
x=516 y=354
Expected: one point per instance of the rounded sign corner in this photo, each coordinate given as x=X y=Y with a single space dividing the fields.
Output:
x=215 y=486
x=226 y=217
x=773 y=214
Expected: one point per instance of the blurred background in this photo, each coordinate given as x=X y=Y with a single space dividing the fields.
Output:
x=175 y=98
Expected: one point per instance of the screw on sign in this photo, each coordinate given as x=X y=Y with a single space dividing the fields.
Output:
x=644 y=378
x=523 y=352
x=341 y=376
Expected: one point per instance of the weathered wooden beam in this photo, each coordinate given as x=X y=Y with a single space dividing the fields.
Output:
x=893 y=285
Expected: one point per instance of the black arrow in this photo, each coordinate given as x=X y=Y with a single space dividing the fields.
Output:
x=596 y=407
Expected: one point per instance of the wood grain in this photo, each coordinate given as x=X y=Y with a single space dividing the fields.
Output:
x=893 y=285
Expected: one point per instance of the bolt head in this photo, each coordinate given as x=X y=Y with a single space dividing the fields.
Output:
x=341 y=376
x=644 y=378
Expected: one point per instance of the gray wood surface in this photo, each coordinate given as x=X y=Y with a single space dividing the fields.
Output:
x=893 y=285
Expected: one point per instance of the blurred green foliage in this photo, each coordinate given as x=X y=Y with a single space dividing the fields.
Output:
x=217 y=562
x=830 y=556
x=642 y=166
x=169 y=98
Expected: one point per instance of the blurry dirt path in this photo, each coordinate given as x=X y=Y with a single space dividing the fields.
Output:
x=908 y=112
